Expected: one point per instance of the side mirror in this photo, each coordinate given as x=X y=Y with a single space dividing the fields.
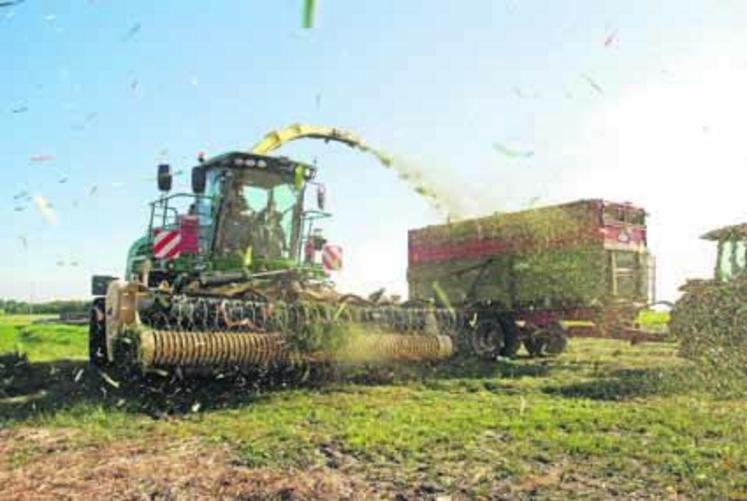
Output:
x=164 y=177
x=199 y=179
x=321 y=196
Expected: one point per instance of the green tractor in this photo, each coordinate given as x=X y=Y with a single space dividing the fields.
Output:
x=710 y=318
x=235 y=275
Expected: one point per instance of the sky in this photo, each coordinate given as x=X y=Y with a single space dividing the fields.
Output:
x=634 y=101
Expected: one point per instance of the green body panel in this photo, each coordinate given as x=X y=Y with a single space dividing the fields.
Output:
x=139 y=251
x=546 y=278
x=569 y=276
x=546 y=257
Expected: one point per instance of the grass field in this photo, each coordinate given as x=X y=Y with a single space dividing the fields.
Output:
x=606 y=419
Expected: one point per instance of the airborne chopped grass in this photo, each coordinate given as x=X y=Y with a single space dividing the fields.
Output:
x=606 y=419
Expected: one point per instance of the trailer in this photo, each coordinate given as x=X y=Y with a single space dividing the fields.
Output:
x=578 y=269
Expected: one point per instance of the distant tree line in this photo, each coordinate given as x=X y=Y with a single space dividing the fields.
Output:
x=62 y=307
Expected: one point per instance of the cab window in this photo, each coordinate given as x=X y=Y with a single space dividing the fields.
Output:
x=613 y=214
x=638 y=217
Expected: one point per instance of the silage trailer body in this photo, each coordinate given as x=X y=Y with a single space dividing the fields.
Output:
x=582 y=266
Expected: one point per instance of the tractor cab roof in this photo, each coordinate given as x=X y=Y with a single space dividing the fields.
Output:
x=736 y=231
x=243 y=160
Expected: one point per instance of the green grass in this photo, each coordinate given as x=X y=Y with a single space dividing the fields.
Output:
x=616 y=419
x=41 y=341
x=651 y=318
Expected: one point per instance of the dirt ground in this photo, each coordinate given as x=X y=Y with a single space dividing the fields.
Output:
x=155 y=470
x=164 y=469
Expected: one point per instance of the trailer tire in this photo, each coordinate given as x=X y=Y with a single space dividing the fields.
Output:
x=533 y=344
x=512 y=336
x=556 y=343
x=97 y=334
x=487 y=339
x=549 y=341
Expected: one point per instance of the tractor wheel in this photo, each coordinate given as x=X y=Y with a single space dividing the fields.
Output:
x=487 y=339
x=97 y=334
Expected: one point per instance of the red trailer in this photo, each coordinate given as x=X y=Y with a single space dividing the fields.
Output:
x=581 y=269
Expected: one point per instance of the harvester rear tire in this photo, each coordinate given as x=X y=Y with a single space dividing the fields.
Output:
x=97 y=334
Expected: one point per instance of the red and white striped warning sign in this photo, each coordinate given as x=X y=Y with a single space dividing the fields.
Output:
x=332 y=257
x=189 y=227
x=166 y=244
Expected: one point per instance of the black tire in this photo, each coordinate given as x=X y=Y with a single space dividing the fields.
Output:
x=533 y=343
x=549 y=341
x=487 y=339
x=512 y=336
x=556 y=343
x=97 y=334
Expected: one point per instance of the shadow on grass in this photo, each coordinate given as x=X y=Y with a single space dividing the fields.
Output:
x=627 y=384
x=463 y=368
x=471 y=368
x=28 y=388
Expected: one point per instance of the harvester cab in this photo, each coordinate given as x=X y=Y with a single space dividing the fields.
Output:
x=245 y=217
x=731 y=259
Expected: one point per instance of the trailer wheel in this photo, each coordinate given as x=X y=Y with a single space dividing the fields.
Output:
x=533 y=344
x=556 y=342
x=97 y=334
x=512 y=341
x=487 y=339
x=546 y=342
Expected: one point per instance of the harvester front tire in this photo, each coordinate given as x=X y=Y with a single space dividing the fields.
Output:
x=97 y=334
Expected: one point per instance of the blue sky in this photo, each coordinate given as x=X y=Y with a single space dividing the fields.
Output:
x=112 y=88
